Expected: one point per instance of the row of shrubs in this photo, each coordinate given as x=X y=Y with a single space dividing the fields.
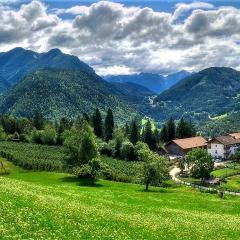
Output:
x=123 y=171
x=51 y=158
x=33 y=157
x=33 y=164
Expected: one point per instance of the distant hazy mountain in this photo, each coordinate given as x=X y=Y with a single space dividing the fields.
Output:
x=58 y=93
x=154 y=82
x=18 y=62
x=131 y=92
x=211 y=92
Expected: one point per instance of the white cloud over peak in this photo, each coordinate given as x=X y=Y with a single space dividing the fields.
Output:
x=116 y=39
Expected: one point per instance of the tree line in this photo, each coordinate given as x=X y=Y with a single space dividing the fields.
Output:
x=40 y=130
x=88 y=136
x=183 y=129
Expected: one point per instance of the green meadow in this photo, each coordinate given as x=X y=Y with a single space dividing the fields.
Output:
x=46 y=205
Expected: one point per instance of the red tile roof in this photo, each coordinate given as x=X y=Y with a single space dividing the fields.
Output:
x=229 y=139
x=193 y=142
x=235 y=135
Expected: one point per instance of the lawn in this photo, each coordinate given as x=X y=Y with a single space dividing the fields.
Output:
x=232 y=183
x=45 y=205
x=224 y=172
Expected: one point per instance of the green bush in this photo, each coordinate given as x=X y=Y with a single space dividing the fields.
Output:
x=48 y=135
x=127 y=151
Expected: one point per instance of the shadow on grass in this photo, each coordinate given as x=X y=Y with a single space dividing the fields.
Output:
x=70 y=179
x=88 y=183
x=152 y=190
x=80 y=182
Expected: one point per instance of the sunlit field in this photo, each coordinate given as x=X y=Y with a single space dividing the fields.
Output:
x=44 y=205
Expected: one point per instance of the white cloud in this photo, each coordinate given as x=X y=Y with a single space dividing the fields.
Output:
x=76 y=10
x=115 y=70
x=116 y=39
x=181 y=8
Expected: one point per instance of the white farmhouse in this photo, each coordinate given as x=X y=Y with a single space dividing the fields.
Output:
x=224 y=146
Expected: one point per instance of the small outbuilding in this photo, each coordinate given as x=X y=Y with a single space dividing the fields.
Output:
x=180 y=147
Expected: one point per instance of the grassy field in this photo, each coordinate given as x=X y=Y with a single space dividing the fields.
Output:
x=44 y=205
x=224 y=172
x=232 y=183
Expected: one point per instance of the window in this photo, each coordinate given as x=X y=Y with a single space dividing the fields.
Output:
x=216 y=152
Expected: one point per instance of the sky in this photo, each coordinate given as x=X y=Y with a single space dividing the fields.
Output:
x=126 y=37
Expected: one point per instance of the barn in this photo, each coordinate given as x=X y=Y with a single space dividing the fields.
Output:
x=180 y=147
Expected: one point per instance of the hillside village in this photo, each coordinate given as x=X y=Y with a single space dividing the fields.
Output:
x=220 y=148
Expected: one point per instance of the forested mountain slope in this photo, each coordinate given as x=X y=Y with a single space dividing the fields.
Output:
x=58 y=93
x=211 y=92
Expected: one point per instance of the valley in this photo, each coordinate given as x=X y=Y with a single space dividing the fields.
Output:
x=119 y=120
x=191 y=96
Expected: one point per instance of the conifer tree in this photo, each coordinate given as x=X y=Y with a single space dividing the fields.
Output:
x=59 y=129
x=164 y=134
x=156 y=135
x=134 y=132
x=126 y=130
x=185 y=129
x=109 y=125
x=181 y=129
x=97 y=123
x=38 y=121
x=171 y=129
x=148 y=135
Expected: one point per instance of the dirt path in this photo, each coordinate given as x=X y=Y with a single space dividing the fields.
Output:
x=176 y=170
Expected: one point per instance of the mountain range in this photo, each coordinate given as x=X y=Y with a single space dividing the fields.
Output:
x=59 y=93
x=155 y=82
x=208 y=93
x=29 y=81
x=59 y=85
x=18 y=62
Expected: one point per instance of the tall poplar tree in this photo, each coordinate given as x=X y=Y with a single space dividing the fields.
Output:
x=171 y=129
x=97 y=123
x=134 y=132
x=164 y=134
x=148 y=135
x=109 y=125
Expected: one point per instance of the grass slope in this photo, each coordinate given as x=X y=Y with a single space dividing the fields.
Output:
x=232 y=183
x=44 y=205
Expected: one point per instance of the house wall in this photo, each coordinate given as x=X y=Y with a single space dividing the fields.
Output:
x=174 y=149
x=233 y=150
x=216 y=150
